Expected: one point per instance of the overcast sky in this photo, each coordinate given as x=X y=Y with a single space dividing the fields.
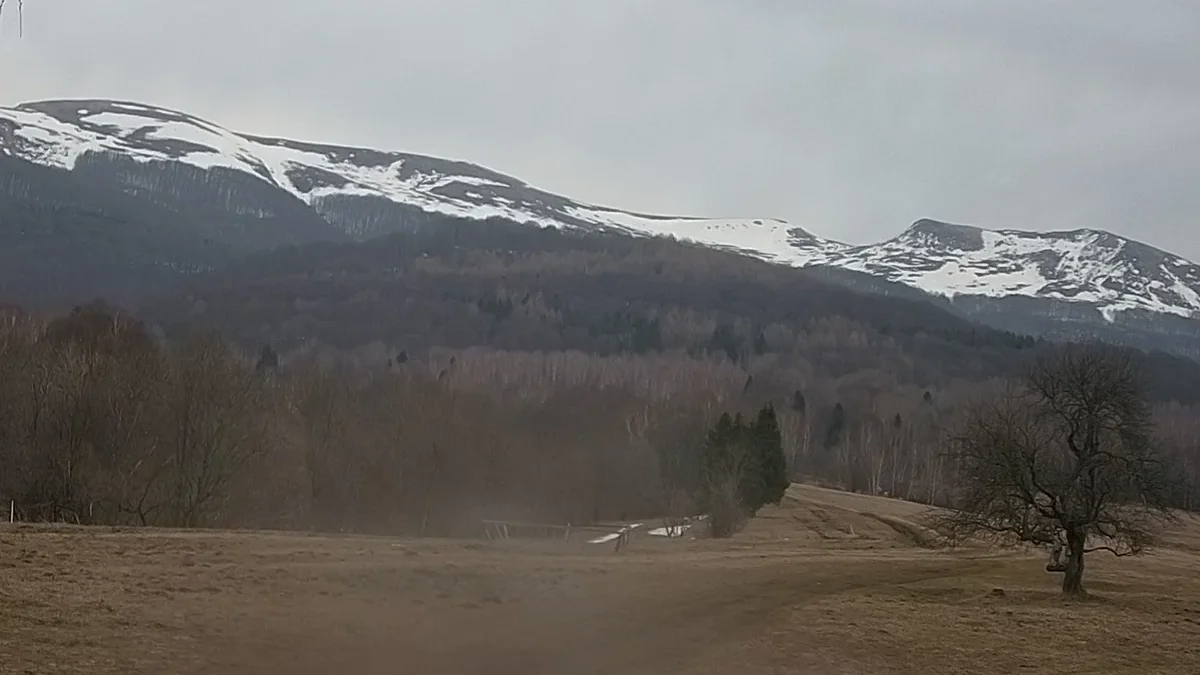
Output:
x=850 y=118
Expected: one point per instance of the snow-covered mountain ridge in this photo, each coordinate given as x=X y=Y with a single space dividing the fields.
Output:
x=1090 y=268
x=59 y=133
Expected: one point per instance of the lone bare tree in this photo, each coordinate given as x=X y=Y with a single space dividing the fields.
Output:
x=1065 y=458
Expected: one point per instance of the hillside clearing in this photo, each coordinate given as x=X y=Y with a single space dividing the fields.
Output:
x=828 y=583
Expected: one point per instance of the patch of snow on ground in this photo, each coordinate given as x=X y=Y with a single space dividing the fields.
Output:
x=613 y=536
x=669 y=531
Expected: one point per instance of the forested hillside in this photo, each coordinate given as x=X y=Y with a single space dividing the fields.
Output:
x=64 y=239
x=458 y=284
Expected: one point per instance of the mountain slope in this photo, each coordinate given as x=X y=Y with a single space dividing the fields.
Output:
x=1092 y=267
x=460 y=283
x=249 y=192
x=62 y=133
x=64 y=239
x=1081 y=284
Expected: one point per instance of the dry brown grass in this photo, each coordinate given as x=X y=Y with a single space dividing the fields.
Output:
x=829 y=583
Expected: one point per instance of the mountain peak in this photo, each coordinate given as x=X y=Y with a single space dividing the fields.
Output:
x=941 y=234
x=932 y=225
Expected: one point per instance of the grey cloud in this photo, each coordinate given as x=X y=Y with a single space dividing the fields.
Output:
x=850 y=118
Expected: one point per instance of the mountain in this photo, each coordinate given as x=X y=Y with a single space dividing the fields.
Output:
x=199 y=195
x=1062 y=285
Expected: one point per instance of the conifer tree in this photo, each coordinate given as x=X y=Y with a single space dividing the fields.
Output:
x=761 y=346
x=837 y=424
x=722 y=471
x=771 y=465
x=799 y=404
x=744 y=469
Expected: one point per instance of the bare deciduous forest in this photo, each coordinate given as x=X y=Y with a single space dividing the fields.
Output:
x=102 y=423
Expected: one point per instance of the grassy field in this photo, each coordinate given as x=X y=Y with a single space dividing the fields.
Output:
x=829 y=583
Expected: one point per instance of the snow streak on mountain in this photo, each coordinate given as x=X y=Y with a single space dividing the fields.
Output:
x=1090 y=267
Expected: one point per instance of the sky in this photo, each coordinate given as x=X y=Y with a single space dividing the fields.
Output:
x=851 y=118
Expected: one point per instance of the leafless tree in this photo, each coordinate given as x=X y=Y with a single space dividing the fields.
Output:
x=675 y=438
x=322 y=399
x=1066 y=456
x=123 y=409
x=20 y=16
x=216 y=421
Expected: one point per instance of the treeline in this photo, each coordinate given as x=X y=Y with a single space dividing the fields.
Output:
x=102 y=423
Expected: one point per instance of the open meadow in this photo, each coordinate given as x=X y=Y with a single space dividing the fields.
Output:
x=828 y=583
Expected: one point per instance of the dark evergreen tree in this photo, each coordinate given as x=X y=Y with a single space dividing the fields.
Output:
x=744 y=454
x=724 y=473
x=724 y=339
x=771 y=464
x=799 y=404
x=715 y=459
x=837 y=424
x=750 y=454
x=760 y=344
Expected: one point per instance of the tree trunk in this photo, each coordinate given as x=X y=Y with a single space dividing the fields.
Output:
x=1073 y=578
